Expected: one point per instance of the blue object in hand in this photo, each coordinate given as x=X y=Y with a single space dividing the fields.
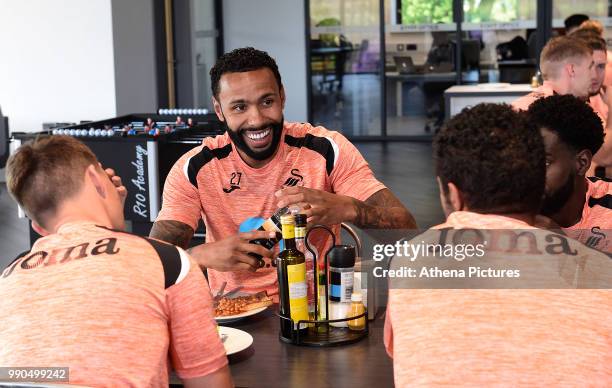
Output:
x=251 y=224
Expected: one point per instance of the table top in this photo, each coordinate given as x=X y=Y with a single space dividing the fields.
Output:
x=272 y=363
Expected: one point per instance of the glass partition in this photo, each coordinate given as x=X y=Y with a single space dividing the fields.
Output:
x=400 y=92
x=420 y=39
x=205 y=50
x=345 y=66
x=502 y=36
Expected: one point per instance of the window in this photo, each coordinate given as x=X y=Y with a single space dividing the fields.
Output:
x=425 y=11
x=481 y=11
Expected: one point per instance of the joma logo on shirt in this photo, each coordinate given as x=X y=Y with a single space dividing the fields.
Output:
x=594 y=240
x=63 y=255
x=295 y=179
x=527 y=242
x=234 y=182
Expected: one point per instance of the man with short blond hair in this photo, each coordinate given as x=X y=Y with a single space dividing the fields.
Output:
x=567 y=68
x=112 y=307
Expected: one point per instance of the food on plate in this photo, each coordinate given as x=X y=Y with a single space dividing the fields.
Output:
x=241 y=304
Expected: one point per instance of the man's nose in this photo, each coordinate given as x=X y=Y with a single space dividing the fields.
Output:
x=256 y=118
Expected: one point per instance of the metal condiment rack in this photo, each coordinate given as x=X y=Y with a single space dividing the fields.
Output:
x=319 y=332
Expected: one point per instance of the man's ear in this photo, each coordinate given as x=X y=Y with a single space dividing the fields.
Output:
x=218 y=110
x=92 y=174
x=583 y=162
x=39 y=229
x=450 y=196
x=569 y=68
x=455 y=197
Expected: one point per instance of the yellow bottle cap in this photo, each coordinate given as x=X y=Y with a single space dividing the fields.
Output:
x=287 y=219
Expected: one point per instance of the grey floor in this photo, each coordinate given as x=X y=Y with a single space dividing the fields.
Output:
x=406 y=168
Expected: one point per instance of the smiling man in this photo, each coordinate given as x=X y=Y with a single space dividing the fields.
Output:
x=261 y=164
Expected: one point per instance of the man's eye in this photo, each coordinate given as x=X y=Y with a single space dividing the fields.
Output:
x=268 y=102
x=548 y=163
x=239 y=107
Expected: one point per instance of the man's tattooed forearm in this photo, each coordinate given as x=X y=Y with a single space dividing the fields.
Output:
x=174 y=232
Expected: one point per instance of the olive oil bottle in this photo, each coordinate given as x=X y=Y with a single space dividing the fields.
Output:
x=293 y=291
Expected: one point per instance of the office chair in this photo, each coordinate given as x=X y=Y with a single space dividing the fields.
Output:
x=517 y=72
x=470 y=54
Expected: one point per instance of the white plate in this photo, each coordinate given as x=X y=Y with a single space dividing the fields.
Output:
x=237 y=317
x=236 y=341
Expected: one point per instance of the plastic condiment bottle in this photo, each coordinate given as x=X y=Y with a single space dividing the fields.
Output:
x=357 y=308
x=341 y=277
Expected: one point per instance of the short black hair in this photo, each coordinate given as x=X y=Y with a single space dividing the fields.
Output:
x=575 y=20
x=494 y=157
x=241 y=60
x=573 y=120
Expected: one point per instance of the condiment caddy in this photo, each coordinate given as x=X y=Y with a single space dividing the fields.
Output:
x=324 y=329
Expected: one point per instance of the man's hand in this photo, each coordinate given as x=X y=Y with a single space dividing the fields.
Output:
x=228 y=254
x=116 y=179
x=592 y=168
x=231 y=253
x=382 y=210
x=603 y=157
x=319 y=206
x=606 y=95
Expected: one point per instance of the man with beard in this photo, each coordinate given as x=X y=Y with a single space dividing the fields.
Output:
x=259 y=165
x=567 y=68
x=572 y=135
